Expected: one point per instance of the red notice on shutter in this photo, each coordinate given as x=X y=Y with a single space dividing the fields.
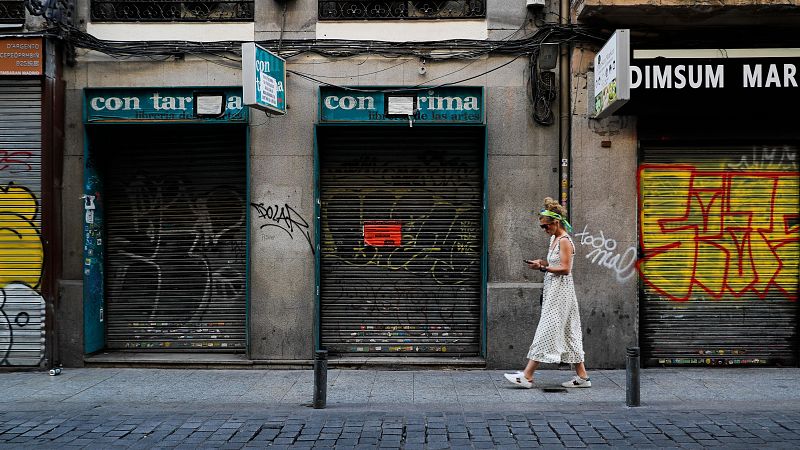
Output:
x=379 y=233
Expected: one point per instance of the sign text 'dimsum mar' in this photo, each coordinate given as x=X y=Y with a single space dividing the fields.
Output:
x=714 y=85
x=728 y=73
x=457 y=104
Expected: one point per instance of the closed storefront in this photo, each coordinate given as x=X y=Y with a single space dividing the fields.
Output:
x=718 y=205
x=22 y=309
x=166 y=221
x=30 y=97
x=401 y=235
x=719 y=236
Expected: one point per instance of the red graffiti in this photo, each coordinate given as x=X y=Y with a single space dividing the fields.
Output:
x=9 y=159
x=730 y=234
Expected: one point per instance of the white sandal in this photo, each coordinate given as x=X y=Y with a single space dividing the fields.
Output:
x=519 y=379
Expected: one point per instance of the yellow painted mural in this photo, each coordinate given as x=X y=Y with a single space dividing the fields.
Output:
x=22 y=308
x=21 y=252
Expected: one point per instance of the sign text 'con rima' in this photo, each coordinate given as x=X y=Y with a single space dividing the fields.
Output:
x=348 y=102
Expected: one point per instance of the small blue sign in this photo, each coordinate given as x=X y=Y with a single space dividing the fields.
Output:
x=263 y=79
x=113 y=105
x=456 y=104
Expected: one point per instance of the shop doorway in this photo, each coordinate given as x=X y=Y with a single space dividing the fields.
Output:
x=401 y=239
x=174 y=231
x=719 y=237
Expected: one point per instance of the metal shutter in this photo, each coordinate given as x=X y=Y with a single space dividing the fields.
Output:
x=175 y=205
x=719 y=233
x=424 y=295
x=22 y=307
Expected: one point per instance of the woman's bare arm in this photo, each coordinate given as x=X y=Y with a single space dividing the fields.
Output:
x=565 y=253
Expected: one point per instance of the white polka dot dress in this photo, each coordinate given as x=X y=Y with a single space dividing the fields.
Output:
x=558 y=337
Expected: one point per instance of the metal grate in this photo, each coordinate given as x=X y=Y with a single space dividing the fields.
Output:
x=22 y=307
x=12 y=11
x=719 y=236
x=420 y=292
x=175 y=232
x=172 y=11
x=461 y=9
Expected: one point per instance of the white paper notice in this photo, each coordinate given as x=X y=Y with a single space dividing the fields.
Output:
x=209 y=105
x=401 y=106
x=268 y=89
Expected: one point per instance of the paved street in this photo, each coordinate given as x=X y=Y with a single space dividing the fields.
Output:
x=157 y=408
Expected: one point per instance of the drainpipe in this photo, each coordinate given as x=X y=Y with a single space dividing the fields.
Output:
x=564 y=149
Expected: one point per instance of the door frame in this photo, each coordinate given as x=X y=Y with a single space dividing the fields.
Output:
x=318 y=222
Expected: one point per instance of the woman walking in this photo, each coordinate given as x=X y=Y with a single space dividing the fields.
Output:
x=558 y=337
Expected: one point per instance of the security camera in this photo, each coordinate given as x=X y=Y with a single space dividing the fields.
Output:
x=535 y=4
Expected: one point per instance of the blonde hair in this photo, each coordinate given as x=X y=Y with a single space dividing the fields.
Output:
x=551 y=205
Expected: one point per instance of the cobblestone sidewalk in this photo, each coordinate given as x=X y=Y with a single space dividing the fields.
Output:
x=187 y=409
x=434 y=430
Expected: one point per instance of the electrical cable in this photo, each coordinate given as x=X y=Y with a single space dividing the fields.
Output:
x=336 y=48
x=543 y=91
x=283 y=26
x=228 y=54
x=415 y=88
x=352 y=76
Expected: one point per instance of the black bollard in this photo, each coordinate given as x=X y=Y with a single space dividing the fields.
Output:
x=632 y=376
x=320 y=378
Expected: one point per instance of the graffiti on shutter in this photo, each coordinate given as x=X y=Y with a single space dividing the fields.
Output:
x=720 y=246
x=22 y=307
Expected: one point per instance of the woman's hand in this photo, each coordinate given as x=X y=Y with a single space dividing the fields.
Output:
x=537 y=264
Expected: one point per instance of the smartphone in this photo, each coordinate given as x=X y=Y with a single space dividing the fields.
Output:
x=527 y=261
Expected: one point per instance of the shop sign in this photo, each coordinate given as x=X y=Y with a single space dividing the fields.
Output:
x=714 y=73
x=21 y=56
x=457 y=104
x=263 y=79
x=173 y=105
x=611 y=66
x=705 y=85
x=380 y=233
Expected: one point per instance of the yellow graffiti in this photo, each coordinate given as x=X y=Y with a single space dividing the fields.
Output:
x=719 y=233
x=21 y=253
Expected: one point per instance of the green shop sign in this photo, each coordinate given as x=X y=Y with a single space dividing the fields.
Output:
x=172 y=105
x=263 y=79
x=457 y=104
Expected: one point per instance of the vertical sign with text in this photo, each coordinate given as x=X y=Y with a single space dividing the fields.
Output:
x=263 y=79
x=612 y=74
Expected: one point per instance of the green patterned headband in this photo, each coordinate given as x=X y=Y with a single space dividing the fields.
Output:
x=557 y=216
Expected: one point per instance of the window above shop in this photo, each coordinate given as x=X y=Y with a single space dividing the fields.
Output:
x=388 y=10
x=12 y=12
x=172 y=11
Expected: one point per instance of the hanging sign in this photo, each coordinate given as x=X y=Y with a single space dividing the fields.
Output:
x=383 y=233
x=455 y=104
x=263 y=79
x=21 y=56
x=173 y=105
x=612 y=74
